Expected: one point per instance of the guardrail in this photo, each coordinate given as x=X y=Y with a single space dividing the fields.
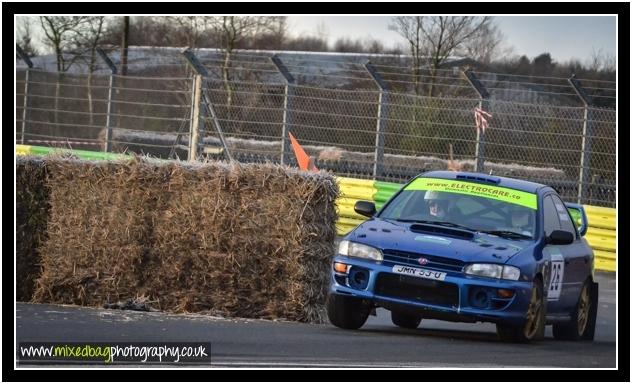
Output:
x=602 y=221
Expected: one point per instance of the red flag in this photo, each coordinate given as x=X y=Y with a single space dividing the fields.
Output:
x=305 y=162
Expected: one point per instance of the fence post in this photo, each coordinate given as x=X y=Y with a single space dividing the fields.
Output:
x=287 y=107
x=110 y=111
x=484 y=105
x=203 y=97
x=194 y=138
x=29 y=64
x=587 y=133
x=378 y=160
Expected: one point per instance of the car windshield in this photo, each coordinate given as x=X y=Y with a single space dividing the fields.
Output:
x=478 y=207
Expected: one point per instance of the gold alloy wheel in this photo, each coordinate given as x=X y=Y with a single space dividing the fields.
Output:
x=533 y=313
x=582 y=310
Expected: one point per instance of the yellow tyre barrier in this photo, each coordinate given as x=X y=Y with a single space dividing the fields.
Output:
x=600 y=232
x=22 y=150
x=345 y=225
x=355 y=188
x=605 y=211
x=352 y=190
x=601 y=222
x=602 y=244
x=601 y=217
x=605 y=261
x=345 y=209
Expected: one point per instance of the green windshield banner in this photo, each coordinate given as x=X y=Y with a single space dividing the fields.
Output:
x=507 y=195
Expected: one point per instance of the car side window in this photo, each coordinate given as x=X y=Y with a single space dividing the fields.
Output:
x=551 y=219
x=565 y=219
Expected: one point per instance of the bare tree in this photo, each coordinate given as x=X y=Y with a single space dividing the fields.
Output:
x=279 y=29
x=436 y=38
x=487 y=45
x=410 y=29
x=599 y=61
x=232 y=31
x=307 y=43
x=272 y=37
x=193 y=28
x=24 y=36
x=88 y=37
x=124 y=45
x=345 y=44
x=61 y=35
x=372 y=45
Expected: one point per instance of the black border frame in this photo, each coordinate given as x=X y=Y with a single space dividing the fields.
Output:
x=574 y=8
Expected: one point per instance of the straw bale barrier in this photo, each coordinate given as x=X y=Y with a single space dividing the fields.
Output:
x=31 y=218
x=239 y=240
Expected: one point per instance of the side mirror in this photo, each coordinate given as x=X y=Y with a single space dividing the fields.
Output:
x=559 y=237
x=365 y=208
x=578 y=214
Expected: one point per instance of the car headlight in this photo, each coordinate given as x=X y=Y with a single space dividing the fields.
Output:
x=349 y=248
x=495 y=271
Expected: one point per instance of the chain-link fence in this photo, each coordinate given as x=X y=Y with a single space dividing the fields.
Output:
x=338 y=113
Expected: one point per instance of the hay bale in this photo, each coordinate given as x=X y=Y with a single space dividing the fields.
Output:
x=248 y=241
x=31 y=202
x=242 y=240
x=98 y=230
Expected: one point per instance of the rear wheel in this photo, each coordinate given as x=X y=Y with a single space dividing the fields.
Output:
x=533 y=326
x=405 y=320
x=583 y=318
x=347 y=312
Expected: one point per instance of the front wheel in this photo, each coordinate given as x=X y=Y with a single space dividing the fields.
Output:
x=347 y=312
x=583 y=318
x=533 y=326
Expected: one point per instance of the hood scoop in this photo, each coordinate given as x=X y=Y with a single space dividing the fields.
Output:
x=436 y=229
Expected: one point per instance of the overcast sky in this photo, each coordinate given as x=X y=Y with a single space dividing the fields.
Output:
x=564 y=37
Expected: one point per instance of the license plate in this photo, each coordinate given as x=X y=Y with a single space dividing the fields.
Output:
x=418 y=272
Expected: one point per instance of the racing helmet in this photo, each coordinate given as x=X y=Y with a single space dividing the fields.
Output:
x=438 y=203
x=520 y=216
x=435 y=195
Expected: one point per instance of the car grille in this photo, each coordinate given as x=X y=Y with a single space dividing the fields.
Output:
x=434 y=262
x=414 y=288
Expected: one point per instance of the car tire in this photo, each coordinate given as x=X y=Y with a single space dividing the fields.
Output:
x=347 y=312
x=533 y=327
x=583 y=318
x=405 y=320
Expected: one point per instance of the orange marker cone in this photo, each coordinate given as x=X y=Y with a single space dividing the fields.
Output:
x=305 y=163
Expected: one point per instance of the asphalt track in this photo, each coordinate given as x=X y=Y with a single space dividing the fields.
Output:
x=262 y=343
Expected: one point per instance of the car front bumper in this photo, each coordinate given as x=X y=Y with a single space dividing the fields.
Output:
x=454 y=298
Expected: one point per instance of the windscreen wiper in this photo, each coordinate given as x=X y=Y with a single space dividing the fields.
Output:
x=508 y=234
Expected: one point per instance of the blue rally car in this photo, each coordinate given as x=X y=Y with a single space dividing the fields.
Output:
x=469 y=247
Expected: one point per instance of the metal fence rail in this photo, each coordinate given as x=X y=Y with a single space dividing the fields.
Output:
x=365 y=120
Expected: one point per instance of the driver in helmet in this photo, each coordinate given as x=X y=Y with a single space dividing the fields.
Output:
x=521 y=219
x=438 y=204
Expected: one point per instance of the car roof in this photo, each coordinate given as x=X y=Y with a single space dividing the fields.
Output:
x=472 y=177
